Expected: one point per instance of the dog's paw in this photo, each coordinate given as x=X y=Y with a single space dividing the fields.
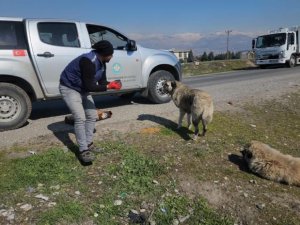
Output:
x=195 y=137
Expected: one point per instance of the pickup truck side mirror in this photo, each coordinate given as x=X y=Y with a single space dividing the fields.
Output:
x=131 y=45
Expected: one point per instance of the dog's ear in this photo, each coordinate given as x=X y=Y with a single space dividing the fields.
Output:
x=173 y=84
x=247 y=154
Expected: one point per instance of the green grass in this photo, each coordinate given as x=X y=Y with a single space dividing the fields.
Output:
x=130 y=178
x=191 y=69
x=195 y=212
x=203 y=214
x=69 y=211
x=51 y=168
x=136 y=171
x=166 y=131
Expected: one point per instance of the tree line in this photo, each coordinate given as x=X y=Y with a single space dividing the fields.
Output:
x=211 y=56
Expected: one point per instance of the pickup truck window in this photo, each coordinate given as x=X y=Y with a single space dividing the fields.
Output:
x=12 y=35
x=59 y=34
x=98 y=33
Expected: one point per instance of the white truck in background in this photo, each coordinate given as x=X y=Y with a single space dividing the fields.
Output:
x=279 y=47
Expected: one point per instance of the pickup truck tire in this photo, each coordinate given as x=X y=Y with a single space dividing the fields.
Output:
x=15 y=106
x=155 y=92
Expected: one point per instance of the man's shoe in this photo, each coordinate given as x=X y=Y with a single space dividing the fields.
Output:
x=86 y=156
x=94 y=148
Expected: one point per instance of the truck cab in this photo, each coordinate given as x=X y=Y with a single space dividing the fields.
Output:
x=278 y=47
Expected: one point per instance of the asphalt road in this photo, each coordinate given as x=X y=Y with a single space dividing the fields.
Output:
x=234 y=87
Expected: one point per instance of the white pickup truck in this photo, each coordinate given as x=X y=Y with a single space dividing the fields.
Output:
x=34 y=52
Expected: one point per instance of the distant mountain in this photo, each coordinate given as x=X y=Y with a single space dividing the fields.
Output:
x=216 y=43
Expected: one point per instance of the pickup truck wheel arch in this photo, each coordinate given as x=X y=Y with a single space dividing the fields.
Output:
x=155 y=93
x=15 y=106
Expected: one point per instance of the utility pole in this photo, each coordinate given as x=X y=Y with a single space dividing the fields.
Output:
x=227 y=32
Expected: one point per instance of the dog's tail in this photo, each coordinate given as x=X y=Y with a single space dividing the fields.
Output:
x=208 y=113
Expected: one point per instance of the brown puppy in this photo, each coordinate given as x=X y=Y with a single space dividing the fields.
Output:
x=102 y=114
x=195 y=103
x=271 y=164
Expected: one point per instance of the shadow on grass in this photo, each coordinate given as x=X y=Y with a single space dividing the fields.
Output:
x=183 y=131
x=62 y=132
x=240 y=162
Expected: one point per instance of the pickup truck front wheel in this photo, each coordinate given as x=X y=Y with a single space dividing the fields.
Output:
x=155 y=92
x=15 y=106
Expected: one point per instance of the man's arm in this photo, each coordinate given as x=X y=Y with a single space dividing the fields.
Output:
x=88 y=71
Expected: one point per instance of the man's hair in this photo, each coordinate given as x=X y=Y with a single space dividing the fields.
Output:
x=103 y=48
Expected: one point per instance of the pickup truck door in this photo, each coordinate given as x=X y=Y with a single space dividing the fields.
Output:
x=53 y=45
x=125 y=65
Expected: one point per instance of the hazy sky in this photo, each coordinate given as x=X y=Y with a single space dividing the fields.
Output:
x=185 y=20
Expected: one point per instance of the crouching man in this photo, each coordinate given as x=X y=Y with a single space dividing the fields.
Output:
x=85 y=74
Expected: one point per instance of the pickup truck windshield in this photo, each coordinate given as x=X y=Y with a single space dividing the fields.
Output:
x=271 y=40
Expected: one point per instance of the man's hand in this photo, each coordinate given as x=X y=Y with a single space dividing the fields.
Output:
x=116 y=84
